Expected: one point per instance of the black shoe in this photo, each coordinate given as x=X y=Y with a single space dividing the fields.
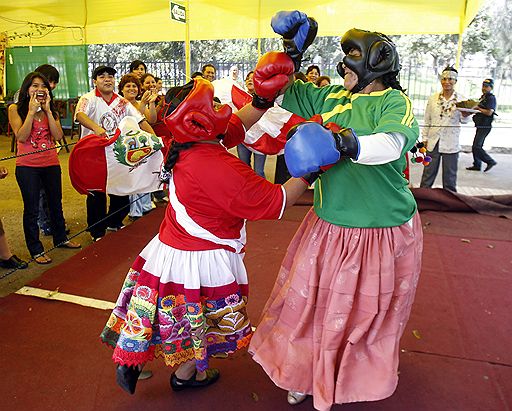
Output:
x=14 y=262
x=127 y=377
x=473 y=168
x=177 y=384
x=490 y=165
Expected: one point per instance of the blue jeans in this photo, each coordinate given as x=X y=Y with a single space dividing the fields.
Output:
x=244 y=154
x=31 y=180
x=43 y=220
x=140 y=204
x=479 y=154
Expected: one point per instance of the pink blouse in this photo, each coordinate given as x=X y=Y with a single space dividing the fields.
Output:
x=40 y=138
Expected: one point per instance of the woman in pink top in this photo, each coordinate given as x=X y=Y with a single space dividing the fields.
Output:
x=35 y=123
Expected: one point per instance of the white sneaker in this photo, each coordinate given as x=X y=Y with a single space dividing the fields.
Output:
x=295 y=397
x=145 y=374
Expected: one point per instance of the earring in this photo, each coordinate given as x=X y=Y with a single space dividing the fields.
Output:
x=418 y=154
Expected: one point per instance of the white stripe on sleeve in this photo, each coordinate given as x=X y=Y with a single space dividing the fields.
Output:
x=380 y=148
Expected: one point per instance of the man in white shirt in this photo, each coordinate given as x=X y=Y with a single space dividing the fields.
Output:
x=441 y=132
x=99 y=112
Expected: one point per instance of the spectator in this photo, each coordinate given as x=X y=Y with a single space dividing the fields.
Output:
x=159 y=86
x=234 y=75
x=138 y=68
x=36 y=125
x=129 y=87
x=51 y=74
x=244 y=153
x=8 y=259
x=323 y=81
x=442 y=131
x=483 y=122
x=43 y=220
x=312 y=73
x=156 y=119
x=149 y=98
x=208 y=72
x=99 y=112
x=249 y=84
x=301 y=76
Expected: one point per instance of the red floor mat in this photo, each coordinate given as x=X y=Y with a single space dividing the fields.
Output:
x=462 y=306
x=467 y=225
x=98 y=271
x=52 y=360
x=457 y=358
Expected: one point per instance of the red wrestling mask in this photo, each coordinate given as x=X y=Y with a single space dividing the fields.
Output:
x=195 y=118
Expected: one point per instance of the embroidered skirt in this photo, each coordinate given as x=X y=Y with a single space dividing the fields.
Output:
x=332 y=325
x=180 y=305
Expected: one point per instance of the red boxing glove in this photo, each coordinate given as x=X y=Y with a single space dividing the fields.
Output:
x=271 y=75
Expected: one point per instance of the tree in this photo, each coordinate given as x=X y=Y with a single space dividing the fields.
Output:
x=502 y=40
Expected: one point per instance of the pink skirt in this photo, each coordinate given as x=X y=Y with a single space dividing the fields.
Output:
x=332 y=325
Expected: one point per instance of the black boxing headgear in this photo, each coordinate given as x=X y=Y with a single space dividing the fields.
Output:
x=378 y=56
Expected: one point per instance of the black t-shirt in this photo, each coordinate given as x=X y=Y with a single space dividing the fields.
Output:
x=487 y=101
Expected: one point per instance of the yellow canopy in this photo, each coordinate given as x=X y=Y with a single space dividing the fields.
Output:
x=127 y=21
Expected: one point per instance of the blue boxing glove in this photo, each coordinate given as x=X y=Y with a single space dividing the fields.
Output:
x=298 y=31
x=311 y=146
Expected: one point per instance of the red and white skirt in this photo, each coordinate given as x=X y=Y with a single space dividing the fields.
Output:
x=180 y=305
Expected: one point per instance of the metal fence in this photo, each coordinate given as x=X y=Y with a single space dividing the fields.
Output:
x=419 y=81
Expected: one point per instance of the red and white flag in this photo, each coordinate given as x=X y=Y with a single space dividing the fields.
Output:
x=268 y=135
x=127 y=163
x=230 y=93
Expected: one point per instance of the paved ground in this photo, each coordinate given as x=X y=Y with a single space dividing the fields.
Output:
x=498 y=181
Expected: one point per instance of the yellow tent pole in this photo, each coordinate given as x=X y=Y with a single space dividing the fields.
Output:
x=259 y=29
x=187 y=41
x=85 y=23
x=461 y=32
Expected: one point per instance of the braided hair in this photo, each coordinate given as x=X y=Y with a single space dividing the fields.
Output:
x=392 y=80
x=173 y=154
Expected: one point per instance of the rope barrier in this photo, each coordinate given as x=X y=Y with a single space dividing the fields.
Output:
x=86 y=228
x=131 y=202
x=73 y=236
x=38 y=151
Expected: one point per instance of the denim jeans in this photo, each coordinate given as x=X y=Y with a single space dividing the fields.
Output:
x=31 y=180
x=244 y=154
x=43 y=219
x=140 y=204
x=479 y=154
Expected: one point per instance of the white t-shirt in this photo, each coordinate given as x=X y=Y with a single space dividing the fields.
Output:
x=106 y=114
